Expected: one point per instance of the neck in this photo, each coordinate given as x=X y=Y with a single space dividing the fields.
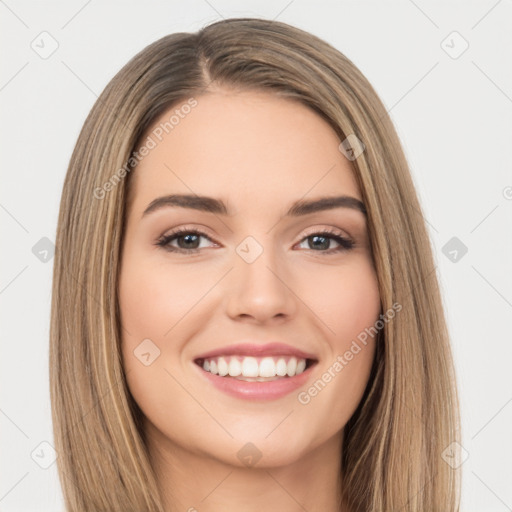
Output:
x=192 y=482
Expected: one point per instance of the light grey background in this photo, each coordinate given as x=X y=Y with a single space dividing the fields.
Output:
x=454 y=118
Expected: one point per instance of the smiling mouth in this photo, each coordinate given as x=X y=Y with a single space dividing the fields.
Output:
x=255 y=369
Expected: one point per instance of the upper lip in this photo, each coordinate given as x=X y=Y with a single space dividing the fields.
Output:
x=258 y=350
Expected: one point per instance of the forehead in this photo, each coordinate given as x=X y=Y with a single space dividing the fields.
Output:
x=249 y=148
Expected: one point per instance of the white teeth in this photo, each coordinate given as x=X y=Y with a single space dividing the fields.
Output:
x=281 y=367
x=235 y=368
x=252 y=368
x=267 y=367
x=290 y=367
x=222 y=366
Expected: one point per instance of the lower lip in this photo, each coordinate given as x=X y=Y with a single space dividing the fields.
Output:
x=270 y=390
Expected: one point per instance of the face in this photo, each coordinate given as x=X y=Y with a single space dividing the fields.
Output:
x=250 y=283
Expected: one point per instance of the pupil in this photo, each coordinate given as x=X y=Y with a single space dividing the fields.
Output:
x=188 y=237
x=325 y=244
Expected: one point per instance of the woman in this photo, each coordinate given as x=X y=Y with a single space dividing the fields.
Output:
x=244 y=310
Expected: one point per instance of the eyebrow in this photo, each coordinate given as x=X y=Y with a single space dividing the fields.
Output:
x=217 y=206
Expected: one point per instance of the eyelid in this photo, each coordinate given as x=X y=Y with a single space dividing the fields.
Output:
x=203 y=230
x=330 y=230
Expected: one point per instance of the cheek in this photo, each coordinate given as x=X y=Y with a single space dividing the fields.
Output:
x=348 y=311
x=149 y=307
x=152 y=301
x=346 y=300
x=154 y=298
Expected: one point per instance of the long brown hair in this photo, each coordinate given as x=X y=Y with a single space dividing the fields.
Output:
x=393 y=444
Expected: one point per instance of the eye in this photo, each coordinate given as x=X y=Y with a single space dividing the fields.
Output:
x=188 y=240
x=322 y=240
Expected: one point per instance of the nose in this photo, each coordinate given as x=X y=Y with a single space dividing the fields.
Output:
x=260 y=291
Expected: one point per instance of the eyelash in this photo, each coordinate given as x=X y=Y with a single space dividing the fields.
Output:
x=345 y=244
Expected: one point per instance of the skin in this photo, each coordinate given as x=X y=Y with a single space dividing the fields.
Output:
x=258 y=153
